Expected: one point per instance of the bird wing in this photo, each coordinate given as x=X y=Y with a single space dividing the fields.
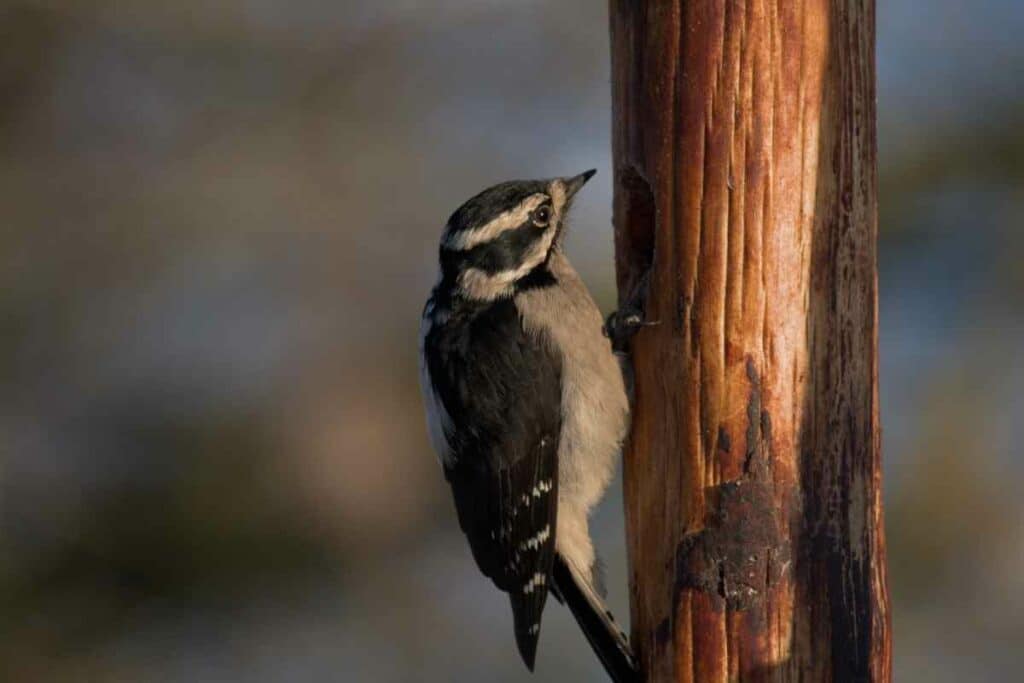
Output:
x=500 y=388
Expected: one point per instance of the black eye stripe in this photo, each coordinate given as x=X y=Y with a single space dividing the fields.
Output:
x=505 y=252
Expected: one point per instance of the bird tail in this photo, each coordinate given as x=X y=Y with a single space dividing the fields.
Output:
x=609 y=643
x=526 y=613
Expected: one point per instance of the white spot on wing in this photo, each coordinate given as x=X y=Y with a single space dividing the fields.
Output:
x=537 y=539
x=536 y=581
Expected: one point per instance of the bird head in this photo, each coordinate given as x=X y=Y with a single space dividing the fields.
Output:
x=505 y=235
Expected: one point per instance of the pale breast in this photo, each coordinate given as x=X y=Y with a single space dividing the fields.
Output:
x=595 y=406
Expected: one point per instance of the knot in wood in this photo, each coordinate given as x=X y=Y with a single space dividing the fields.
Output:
x=740 y=553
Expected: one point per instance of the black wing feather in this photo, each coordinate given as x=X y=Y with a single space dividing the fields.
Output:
x=501 y=387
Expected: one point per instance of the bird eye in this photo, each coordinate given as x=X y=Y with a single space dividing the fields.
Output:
x=542 y=216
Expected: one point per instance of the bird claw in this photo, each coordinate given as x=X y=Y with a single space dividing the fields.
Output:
x=623 y=324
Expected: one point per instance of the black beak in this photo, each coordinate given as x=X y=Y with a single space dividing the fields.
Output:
x=573 y=184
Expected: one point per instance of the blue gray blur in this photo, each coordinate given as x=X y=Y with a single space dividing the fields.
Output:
x=219 y=223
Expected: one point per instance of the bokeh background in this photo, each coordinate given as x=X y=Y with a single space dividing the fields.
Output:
x=219 y=223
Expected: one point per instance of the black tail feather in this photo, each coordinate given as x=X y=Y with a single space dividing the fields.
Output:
x=609 y=643
x=526 y=613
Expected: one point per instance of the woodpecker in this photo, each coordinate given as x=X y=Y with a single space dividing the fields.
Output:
x=526 y=404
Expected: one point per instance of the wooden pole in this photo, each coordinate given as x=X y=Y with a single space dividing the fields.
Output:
x=745 y=157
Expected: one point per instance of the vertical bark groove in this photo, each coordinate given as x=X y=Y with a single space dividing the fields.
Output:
x=744 y=146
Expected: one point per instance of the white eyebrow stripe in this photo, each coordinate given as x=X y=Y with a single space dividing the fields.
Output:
x=513 y=218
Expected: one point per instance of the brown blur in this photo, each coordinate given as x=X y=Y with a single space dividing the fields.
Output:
x=219 y=222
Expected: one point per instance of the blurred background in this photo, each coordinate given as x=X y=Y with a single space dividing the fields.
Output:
x=219 y=223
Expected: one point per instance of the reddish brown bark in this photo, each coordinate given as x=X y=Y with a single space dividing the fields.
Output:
x=744 y=149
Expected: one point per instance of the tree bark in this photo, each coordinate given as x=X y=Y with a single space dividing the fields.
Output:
x=745 y=156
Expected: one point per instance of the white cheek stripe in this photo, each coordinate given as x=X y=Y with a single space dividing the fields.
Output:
x=513 y=218
x=484 y=287
x=487 y=287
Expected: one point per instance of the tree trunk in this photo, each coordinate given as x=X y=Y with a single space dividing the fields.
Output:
x=745 y=157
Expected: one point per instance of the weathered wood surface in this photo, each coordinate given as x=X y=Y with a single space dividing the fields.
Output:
x=745 y=159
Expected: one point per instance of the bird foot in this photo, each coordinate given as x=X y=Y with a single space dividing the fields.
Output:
x=621 y=325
